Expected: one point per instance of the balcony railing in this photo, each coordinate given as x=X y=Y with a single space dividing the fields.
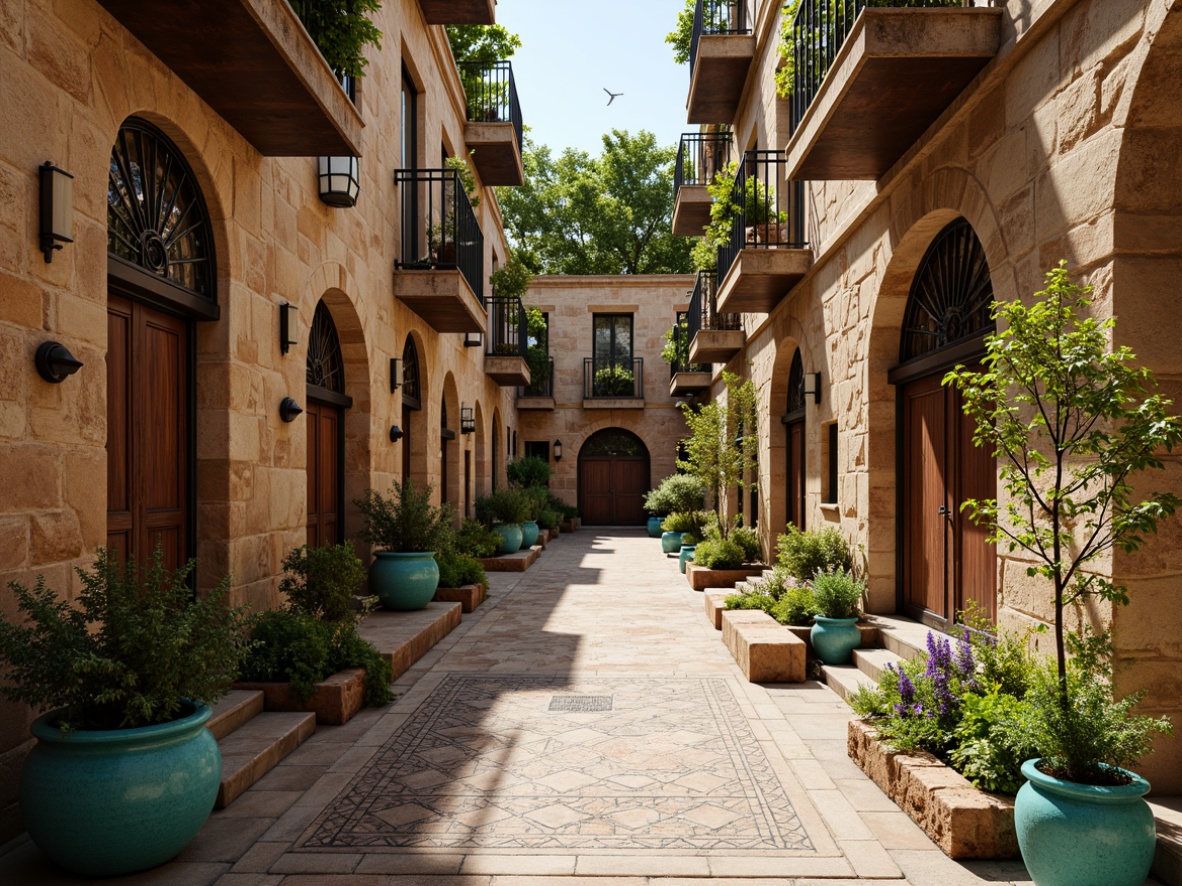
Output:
x=768 y=209
x=681 y=344
x=613 y=380
x=699 y=157
x=703 y=311
x=540 y=387
x=439 y=228
x=818 y=31
x=508 y=329
x=492 y=94
x=717 y=17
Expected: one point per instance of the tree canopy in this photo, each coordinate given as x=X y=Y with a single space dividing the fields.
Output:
x=482 y=43
x=611 y=214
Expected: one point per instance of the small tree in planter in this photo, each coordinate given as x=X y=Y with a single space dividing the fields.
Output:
x=504 y=511
x=1071 y=422
x=677 y=493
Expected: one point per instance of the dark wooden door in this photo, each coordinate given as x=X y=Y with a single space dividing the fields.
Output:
x=148 y=432
x=595 y=483
x=612 y=489
x=795 y=433
x=975 y=580
x=629 y=483
x=406 y=416
x=325 y=425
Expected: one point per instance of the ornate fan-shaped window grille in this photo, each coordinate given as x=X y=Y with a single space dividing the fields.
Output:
x=326 y=363
x=410 y=375
x=613 y=441
x=796 y=384
x=156 y=217
x=952 y=294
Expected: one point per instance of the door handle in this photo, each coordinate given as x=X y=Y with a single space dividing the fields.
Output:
x=945 y=512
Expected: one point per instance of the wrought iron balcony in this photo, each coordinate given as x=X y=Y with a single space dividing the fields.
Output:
x=613 y=380
x=540 y=390
x=714 y=337
x=495 y=127
x=685 y=377
x=507 y=337
x=722 y=48
x=442 y=261
x=700 y=156
x=900 y=69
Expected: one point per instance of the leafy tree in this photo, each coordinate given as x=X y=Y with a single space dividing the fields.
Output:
x=682 y=35
x=341 y=31
x=611 y=214
x=482 y=43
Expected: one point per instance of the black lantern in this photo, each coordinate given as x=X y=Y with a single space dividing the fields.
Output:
x=340 y=181
x=467 y=419
x=395 y=374
x=473 y=339
x=287 y=327
x=396 y=434
x=812 y=386
x=289 y=409
x=54 y=363
x=558 y=450
x=57 y=209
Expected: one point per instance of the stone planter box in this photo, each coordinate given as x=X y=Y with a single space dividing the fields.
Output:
x=570 y=525
x=468 y=596
x=962 y=820
x=700 y=577
x=334 y=702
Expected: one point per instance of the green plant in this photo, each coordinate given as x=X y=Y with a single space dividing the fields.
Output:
x=676 y=493
x=795 y=606
x=474 y=539
x=512 y=279
x=676 y=349
x=1071 y=421
x=992 y=740
x=686 y=521
x=754 y=599
x=688 y=538
x=457 y=569
x=341 y=29
x=138 y=643
x=804 y=554
x=837 y=594
x=405 y=521
x=324 y=581
x=503 y=506
x=548 y=518
x=724 y=554
x=748 y=539
x=528 y=472
x=614 y=381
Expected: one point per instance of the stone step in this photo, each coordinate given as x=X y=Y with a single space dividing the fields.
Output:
x=902 y=636
x=1167 y=861
x=765 y=651
x=237 y=707
x=404 y=637
x=256 y=747
x=872 y=662
x=845 y=680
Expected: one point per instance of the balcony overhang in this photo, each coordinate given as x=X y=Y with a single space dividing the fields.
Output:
x=545 y=403
x=443 y=299
x=691 y=210
x=613 y=403
x=720 y=73
x=760 y=278
x=459 y=12
x=716 y=345
x=898 y=70
x=255 y=65
x=507 y=371
x=495 y=152
x=688 y=382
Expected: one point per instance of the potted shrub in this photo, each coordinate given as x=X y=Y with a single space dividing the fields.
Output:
x=532 y=475
x=128 y=675
x=505 y=510
x=835 y=634
x=677 y=492
x=689 y=541
x=678 y=523
x=407 y=530
x=1072 y=420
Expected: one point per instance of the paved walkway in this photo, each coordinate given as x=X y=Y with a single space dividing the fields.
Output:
x=584 y=722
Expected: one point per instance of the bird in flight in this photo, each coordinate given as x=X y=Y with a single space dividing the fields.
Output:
x=611 y=96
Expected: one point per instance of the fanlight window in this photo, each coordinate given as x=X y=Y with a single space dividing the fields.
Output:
x=410 y=375
x=613 y=441
x=326 y=363
x=796 y=384
x=156 y=217
x=952 y=294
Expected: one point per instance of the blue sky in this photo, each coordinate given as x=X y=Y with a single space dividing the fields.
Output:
x=572 y=51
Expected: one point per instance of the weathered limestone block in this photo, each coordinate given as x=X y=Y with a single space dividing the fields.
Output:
x=701 y=578
x=468 y=596
x=334 y=702
x=764 y=651
x=715 y=606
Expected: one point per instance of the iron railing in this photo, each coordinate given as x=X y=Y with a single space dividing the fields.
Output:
x=439 y=228
x=703 y=308
x=612 y=379
x=508 y=327
x=492 y=94
x=768 y=209
x=819 y=29
x=681 y=345
x=539 y=387
x=700 y=156
x=717 y=17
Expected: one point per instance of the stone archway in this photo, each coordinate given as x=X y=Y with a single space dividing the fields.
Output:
x=613 y=477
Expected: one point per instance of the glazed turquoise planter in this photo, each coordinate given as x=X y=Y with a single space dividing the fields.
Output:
x=1084 y=835
x=654 y=527
x=686 y=556
x=529 y=533
x=404 y=582
x=671 y=542
x=835 y=639
x=109 y=802
x=511 y=536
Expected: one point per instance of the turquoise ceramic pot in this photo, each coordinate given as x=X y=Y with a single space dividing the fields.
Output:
x=654 y=527
x=404 y=581
x=686 y=556
x=671 y=542
x=511 y=535
x=1083 y=835
x=529 y=533
x=109 y=802
x=835 y=639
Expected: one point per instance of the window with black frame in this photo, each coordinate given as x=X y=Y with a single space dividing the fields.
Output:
x=612 y=370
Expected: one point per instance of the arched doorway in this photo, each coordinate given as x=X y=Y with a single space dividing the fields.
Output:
x=161 y=278
x=794 y=432
x=327 y=403
x=946 y=564
x=613 y=477
x=411 y=404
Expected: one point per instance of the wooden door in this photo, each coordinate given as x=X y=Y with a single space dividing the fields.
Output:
x=795 y=515
x=630 y=481
x=975 y=580
x=148 y=432
x=595 y=484
x=612 y=489
x=325 y=424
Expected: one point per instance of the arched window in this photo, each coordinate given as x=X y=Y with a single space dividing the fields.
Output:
x=796 y=384
x=156 y=217
x=326 y=364
x=613 y=441
x=410 y=375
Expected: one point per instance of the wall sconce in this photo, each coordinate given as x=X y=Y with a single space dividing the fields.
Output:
x=54 y=363
x=57 y=209
x=287 y=327
x=340 y=181
x=395 y=374
x=396 y=434
x=473 y=339
x=467 y=419
x=289 y=409
x=558 y=450
x=812 y=386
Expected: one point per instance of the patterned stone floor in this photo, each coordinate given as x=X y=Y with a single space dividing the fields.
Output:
x=585 y=722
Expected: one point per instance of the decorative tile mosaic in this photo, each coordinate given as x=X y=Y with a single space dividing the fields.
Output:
x=580 y=703
x=485 y=763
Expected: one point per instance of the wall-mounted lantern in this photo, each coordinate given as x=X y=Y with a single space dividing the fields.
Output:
x=57 y=209
x=289 y=409
x=288 y=325
x=396 y=434
x=558 y=450
x=395 y=374
x=55 y=363
x=340 y=181
x=467 y=419
x=473 y=339
x=812 y=386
